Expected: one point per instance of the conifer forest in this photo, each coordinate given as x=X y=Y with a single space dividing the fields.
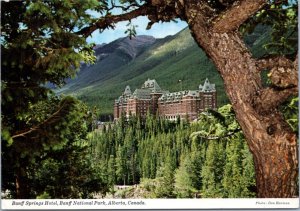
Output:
x=177 y=159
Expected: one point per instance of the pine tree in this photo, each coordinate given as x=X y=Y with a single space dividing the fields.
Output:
x=198 y=155
x=248 y=183
x=121 y=168
x=165 y=180
x=212 y=171
x=185 y=175
x=38 y=46
x=111 y=171
x=232 y=180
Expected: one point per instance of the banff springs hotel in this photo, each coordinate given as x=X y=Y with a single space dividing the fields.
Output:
x=187 y=104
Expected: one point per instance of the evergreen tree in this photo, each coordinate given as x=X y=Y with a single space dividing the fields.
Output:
x=176 y=160
x=248 y=183
x=121 y=168
x=165 y=180
x=212 y=171
x=232 y=180
x=111 y=172
x=61 y=170
x=185 y=179
x=198 y=155
x=38 y=46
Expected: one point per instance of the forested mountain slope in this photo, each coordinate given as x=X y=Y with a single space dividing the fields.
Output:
x=130 y=62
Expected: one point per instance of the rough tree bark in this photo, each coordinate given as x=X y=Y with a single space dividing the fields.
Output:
x=271 y=141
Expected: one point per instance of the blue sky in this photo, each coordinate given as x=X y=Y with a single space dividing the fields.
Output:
x=158 y=30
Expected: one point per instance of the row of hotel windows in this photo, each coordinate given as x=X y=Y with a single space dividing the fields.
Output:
x=171 y=117
x=174 y=108
x=168 y=109
x=177 y=116
x=146 y=103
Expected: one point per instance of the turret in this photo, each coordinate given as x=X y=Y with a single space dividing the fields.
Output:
x=127 y=91
x=207 y=87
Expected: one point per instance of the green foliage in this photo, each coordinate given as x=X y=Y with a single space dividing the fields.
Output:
x=45 y=33
x=238 y=170
x=44 y=195
x=67 y=173
x=212 y=171
x=58 y=163
x=39 y=45
x=165 y=179
x=45 y=152
x=175 y=159
x=185 y=179
x=228 y=169
x=131 y=31
x=217 y=124
x=282 y=18
x=148 y=186
x=291 y=113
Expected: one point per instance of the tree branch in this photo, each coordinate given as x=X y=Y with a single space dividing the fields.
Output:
x=239 y=12
x=50 y=120
x=270 y=98
x=109 y=20
x=284 y=77
x=283 y=72
x=124 y=8
x=210 y=137
x=270 y=62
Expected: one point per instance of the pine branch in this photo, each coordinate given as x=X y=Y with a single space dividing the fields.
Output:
x=52 y=119
x=217 y=137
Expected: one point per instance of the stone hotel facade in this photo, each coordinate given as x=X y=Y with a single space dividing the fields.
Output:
x=186 y=104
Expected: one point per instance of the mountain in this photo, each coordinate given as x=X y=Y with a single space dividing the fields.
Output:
x=131 y=62
x=109 y=58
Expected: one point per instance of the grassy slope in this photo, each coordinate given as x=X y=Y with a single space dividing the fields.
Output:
x=168 y=60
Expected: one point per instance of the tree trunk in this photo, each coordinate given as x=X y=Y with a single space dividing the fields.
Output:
x=22 y=190
x=270 y=139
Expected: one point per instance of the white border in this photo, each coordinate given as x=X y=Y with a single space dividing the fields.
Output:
x=46 y=204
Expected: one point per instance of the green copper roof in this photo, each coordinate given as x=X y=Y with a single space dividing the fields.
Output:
x=207 y=86
x=175 y=96
x=127 y=91
x=152 y=85
x=142 y=93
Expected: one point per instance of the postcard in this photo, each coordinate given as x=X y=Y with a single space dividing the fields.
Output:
x=145 y=104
